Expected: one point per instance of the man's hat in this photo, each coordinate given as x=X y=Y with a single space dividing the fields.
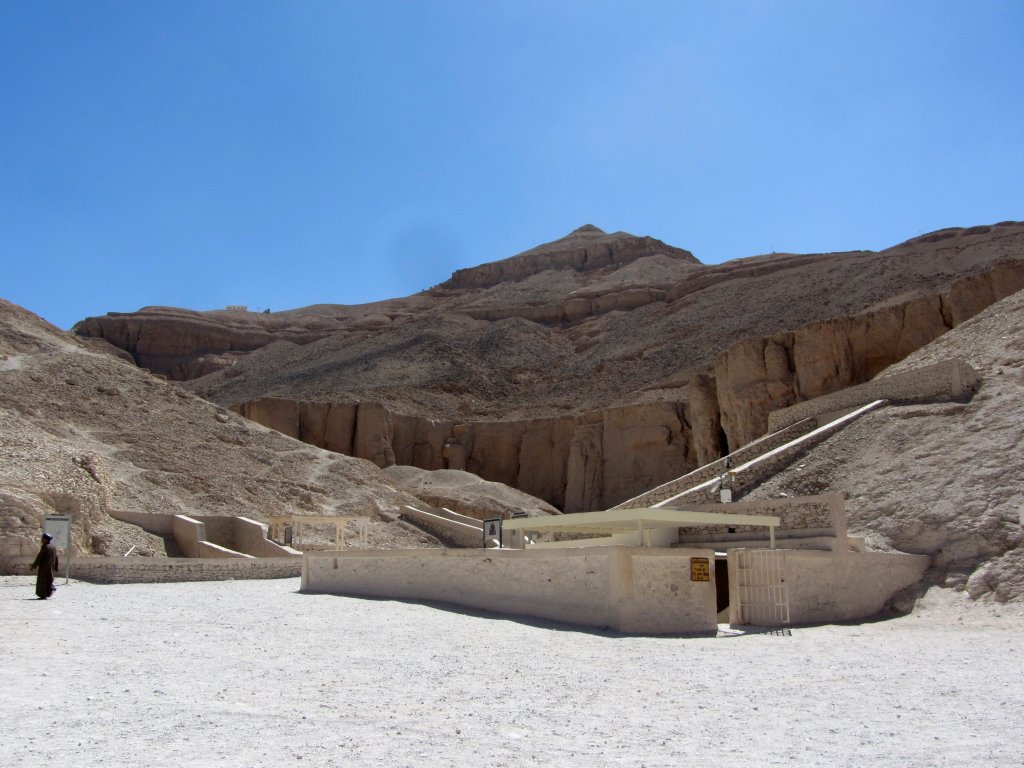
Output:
x=48 y=537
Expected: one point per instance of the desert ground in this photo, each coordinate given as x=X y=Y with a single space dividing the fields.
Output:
x=255 y=673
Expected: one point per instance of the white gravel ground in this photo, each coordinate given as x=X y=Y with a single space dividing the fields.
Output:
x=252 y=673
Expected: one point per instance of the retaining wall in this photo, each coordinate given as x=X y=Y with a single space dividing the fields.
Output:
x=627 y=589
x=161 y=525
x=188 y=532
x=137 y=570
x=210 y=535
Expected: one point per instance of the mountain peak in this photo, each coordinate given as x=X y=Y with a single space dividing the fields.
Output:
x=582 y=250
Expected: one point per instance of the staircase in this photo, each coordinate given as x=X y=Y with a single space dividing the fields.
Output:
x=748 y=467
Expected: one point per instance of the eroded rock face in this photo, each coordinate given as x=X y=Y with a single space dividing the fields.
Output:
x=757 y=376
x=603 y=457
x=176 y=343
x=939 y=478
x=575 y=463
x=584 y=369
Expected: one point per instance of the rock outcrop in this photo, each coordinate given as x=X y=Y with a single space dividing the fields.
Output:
x=575 y=463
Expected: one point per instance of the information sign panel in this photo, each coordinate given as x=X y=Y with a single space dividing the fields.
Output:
x=492 y=531
x=700 y=569
x=58 y=527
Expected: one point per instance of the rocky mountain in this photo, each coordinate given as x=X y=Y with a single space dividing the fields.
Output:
x=585 y=370
x=581 y=372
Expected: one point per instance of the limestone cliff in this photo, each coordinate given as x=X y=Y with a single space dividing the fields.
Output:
x=585 y=369
x=757 y=376
x=599 y=458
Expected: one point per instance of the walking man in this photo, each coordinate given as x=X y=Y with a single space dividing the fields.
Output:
x=46 y=562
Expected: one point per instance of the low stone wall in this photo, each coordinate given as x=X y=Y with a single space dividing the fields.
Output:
x=627 y=589
x=949 y=379
x=188 y=533
x=138 y=570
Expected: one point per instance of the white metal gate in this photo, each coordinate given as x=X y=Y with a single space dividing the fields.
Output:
x=761 y=587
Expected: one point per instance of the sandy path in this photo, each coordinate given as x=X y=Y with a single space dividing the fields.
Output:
x=255 y=674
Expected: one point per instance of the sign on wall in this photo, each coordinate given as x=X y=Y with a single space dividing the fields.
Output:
x=492 y=531
x=700 y=569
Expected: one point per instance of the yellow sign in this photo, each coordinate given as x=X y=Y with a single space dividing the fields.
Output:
x=700 y=569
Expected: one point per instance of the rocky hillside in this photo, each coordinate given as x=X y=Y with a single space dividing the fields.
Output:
x=942 y=479
x=585 y=370
x=85 y=433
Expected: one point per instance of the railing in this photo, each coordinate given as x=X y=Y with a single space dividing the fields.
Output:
x=715 y=469
x=762 y=461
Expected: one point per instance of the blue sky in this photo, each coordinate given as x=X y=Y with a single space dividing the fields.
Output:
x=280 y=154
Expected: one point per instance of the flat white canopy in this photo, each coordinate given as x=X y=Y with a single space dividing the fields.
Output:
x=621 y=520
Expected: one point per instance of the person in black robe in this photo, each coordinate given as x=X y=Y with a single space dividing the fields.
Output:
x=46 y=562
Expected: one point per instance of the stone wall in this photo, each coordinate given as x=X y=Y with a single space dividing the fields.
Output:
x=453 y=529
x=209 y=535
x=626 y=589
x=138 y=570
x=832 y=587
x=188 y=532
x=947 y=379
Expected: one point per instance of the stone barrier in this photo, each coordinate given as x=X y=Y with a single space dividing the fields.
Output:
x=145 y=570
